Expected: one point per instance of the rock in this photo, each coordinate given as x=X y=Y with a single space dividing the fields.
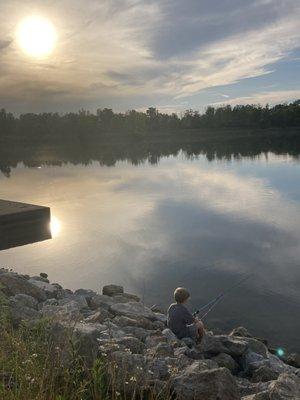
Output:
x=50 y=289
x=240 y=332
x=86 y=340
x=101 y=301
x=13 y=284
x=44 y=275
x=80 y=300
x=132 y=310
x=226 y=361
x=258 y=396
x=131 y=343
x=86 y=293
x=139 y=333
x=247 y=388
x=98 y=316
x=154 y=340
x=67 y=312
x=264 y=374
x=294 y=360
x=159 y=325
x=222 y=344
x=287 y=387
x=171 y=337
x=163 y=350
x=23 y=300
x=129 y=372
x=256 y=346
x=112 y=290
x=210 y=384
x=161 y=318
x=22 y=309
x=141 y=322
x=156 y=308
x=125 y=298
x=40 y=278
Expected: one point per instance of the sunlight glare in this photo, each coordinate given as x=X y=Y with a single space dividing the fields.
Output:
x=55 y=226
x=36 y=36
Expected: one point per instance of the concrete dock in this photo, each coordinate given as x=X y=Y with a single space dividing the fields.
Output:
x=22 y=224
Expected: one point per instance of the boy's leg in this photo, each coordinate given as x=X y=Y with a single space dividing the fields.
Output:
x=200 y=328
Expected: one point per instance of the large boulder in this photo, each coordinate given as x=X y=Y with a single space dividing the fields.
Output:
x=67 y=312
x=214 y=345
x=12 y=284
x=23 y=308
x=247 y=388
x=294 y=360
x=226 y=361
x=241 y=332
x=112 y=290
x=133 y=310
x=210 y=384
x=264 y=374
x=258 y=396
x=141 y=322
x=286 y=387
x=125 y=298
x=101 y=301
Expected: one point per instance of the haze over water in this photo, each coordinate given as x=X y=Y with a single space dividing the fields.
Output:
x=182 y=222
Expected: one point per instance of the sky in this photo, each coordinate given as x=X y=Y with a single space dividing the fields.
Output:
x=170 y=54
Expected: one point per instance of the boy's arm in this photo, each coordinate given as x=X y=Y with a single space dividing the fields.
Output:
x=189 y=319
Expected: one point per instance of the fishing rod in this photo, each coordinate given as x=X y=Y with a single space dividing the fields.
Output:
x=211 y=304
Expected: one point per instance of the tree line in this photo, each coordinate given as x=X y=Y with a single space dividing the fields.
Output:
x=82 y=125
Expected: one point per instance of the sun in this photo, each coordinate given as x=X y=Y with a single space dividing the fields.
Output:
x=36 y=36
x=55 y=226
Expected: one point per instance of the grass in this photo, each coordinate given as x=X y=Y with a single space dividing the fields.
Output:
x=34 y=367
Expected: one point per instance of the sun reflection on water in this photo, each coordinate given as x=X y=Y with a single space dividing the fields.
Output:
x=55 y=226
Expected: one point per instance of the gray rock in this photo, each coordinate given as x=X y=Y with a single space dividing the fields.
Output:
x=80 y=300
x=112 y=290
x=256 y=346
x=170 y=336
x=126 y=298
x=13 y=284
x=98 y=316
x=264 y=374
x=132 y=310
x=161 y=318
x=40 y=278
x=139 y=333
x=240 y=332
x=48 y=288
x=86 y=293
x=86 y=340
x=258 y=396
x=140 y=322
x=163 y=350
x=287 y=387
x=226 y=361
x=294 y=360
x=20 y=311
x=131 y=343
x=223 y=344
x=247 y=388
x=210 y=384
x=67 y=312
x=101 y=301
x=23 y=300
x=157 y=308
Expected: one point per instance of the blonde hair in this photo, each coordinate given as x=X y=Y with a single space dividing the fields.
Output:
x=181 y=295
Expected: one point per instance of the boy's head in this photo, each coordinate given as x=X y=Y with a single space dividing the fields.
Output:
x=181 y=295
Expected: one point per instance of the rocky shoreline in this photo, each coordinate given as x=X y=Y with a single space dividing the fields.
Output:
x=142 y=354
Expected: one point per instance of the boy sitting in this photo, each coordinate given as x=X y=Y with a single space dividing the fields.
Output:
x=181 y=321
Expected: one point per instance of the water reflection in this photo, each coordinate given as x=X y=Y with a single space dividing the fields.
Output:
x=55 y=226
x=183 y=222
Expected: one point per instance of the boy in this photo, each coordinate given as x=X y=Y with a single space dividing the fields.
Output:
x=180 y=320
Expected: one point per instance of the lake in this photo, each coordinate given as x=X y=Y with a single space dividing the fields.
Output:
x=194 y=221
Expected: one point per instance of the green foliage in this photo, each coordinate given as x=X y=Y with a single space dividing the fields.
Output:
x=77 y=127
x=31 y=368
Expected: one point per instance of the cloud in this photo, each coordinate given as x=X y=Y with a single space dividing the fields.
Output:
x=137 y=51
x=272 y=97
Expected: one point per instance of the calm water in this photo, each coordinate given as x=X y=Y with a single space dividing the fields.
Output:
x=196 y=223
